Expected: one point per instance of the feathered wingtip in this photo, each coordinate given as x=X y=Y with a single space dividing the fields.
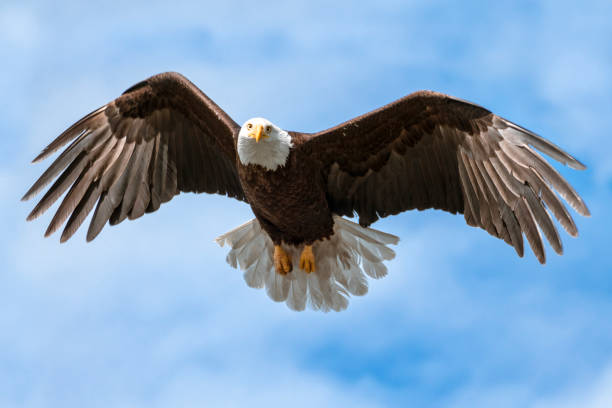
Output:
x=343 y=262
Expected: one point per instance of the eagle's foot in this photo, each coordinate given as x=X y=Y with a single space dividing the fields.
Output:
x=282 y=262
x=307 y=260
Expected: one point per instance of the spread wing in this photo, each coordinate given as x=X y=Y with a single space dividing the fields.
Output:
x=161 y=137
x=429 y=150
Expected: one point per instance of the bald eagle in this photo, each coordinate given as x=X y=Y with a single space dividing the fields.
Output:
x=164 y=136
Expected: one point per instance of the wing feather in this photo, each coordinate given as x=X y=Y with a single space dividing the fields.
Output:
x=65 y=180
x=110 y=198
x=82 y=209
x=528 y=158
x=74 y=131
x=141 y=187
x=86 y=141
x=161 y=137
x=80 y=186
x=430 y=150
x=472 y=209
x=529 y=228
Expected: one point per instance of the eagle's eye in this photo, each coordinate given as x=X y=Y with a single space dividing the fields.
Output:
x=249 y=126
x=268 y=129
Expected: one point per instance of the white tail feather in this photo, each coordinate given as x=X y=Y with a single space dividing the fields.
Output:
x=342 y=262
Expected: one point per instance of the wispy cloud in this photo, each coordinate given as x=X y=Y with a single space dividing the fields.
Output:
x=149 y=314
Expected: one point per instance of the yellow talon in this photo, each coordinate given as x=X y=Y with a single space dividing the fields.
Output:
x=307 y=260
x=282 y=263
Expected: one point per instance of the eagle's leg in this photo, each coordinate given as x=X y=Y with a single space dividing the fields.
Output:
x=282 y=262
x=307 y=260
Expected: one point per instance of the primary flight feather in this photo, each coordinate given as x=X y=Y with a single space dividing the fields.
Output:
x=164 y=136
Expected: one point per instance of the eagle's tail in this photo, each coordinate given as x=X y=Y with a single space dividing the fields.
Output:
x=342 y=263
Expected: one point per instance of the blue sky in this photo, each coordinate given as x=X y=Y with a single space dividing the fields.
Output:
x=149 y=314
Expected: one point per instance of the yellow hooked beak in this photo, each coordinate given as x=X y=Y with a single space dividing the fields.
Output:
x=258 y=133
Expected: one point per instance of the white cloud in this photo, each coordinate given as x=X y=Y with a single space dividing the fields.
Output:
x=273 y=385
x=593 y=393
x=150 y=315
x=19 y=27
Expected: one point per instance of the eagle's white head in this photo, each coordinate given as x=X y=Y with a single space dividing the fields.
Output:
x=263 y=143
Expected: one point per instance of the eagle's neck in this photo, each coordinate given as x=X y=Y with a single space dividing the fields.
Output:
x=269 y=153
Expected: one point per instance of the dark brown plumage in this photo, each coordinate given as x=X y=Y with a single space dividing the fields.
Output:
x=429 y=150
x=291 y=204
x=163 y=136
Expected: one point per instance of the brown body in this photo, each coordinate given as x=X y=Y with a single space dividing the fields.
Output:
x=290 y=202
